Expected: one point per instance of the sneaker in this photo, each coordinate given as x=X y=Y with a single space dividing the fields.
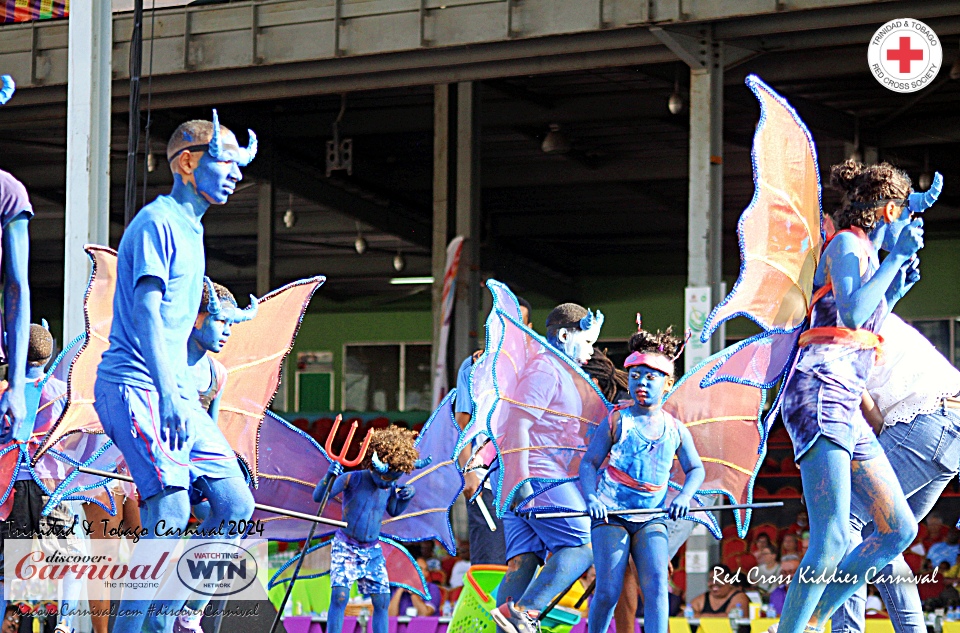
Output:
x=188 y=623
x=513 y=621
x=773 y=627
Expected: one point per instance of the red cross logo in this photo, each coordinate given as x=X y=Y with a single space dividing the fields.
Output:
x=905 y=54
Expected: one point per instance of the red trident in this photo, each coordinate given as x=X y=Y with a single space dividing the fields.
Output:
x=342 y=457
x=339 y=463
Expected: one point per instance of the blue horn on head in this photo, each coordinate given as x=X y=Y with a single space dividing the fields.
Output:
x=247 y=155
x=44 y=324
x=216 y=143
x=591 y=320
x=213 y=302
x=922 y=200
x=247 y=313
x=378 y=466
x=422 y=463
x=7 y=88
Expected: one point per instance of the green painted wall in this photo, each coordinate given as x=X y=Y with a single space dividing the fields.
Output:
x=658 y=299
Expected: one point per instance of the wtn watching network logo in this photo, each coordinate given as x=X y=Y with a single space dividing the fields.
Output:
x=217 y=568
x=164 y=569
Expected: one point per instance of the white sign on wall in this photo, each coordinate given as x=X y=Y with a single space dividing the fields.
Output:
x=697 y=306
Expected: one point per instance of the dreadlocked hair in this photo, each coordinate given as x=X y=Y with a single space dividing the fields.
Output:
x=864 y=184
x=40 y=347
x=664 y=343
x=563 y=316
x=222 y=294
x=394 y=446
x=609 y=378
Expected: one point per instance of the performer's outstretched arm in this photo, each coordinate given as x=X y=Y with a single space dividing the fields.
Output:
x=16 y=317
x=597 y=451
x=149 y=328
x=693 y=471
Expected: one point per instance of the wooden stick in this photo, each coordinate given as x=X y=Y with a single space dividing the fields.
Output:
x=293 y=514
x=736 y=506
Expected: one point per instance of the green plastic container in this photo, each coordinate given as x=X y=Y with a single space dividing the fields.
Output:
x=472 y=611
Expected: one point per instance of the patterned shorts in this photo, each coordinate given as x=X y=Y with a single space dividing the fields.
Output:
x=351 y=561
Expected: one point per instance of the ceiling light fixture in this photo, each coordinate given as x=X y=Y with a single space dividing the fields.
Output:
x=399 y=263
x=955 y=70
x=555 y=142
x=925 y=178
x=675 y=103
x=411 y=281
x=289 y=217
x=360 y=244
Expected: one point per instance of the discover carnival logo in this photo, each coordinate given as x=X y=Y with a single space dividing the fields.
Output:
x=905 y=55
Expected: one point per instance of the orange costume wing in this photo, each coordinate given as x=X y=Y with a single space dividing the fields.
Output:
x=79 y=415
x=254 y=359
x=724 y=421
x=781 y=231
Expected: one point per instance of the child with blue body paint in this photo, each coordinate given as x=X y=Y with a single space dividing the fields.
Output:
x=836 y=450
x=640 y=441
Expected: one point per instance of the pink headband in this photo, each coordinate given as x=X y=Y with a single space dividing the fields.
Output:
x=653 y=361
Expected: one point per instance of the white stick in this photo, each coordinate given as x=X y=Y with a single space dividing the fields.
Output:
x=293 y=514
x=486 y=513
x=738 y=506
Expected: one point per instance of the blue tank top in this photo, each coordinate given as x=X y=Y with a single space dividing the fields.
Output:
x=638 y=469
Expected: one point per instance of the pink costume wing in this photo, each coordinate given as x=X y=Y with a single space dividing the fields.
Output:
x=724 y=420
x=254 y=359
x=402 y=568
x=537 y=405
x=291 y=464
x=781 y=231
x=79 y=415
x=437 y=485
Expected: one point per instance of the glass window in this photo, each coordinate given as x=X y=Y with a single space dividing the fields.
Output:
x=371 y=378
x=418 y=387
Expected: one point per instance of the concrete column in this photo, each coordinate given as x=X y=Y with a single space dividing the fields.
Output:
x=705 y=234
x=266 y=198
x=466 y=330
x=441 y=201
x=705 y=212
x=88 y=151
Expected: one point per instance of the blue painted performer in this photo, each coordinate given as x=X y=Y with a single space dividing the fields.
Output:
x=641 y=441
x=218 y=312
x=852 y=295
x=145 y=396
x=356 y=554
x=572 y=330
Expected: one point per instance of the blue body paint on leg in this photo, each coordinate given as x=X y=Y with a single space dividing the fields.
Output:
x=612 y=544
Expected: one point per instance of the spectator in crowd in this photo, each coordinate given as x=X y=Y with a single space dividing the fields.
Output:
x=405 y=602
x=787 y=569
x=764 y=575
x=460 y=568
x=11 y=619
x=936 y=530
x=874 y=603
x=723 y=595
x=946 y=551
x=790 y=548
x=762 y=540
x=801 y=525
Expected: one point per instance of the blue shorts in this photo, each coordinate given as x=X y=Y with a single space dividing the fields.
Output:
x=632 y=527
x=130 y=417
x=361 y=562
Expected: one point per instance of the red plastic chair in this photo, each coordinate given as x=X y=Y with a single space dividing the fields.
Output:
x=914 y=561
x=787 y=465
x=301 y=423
x=760 y=492
x=744 y=562
x=680 y=580
x=454 y=594
x=321 y=429
x=779 y=437
x=764 y=528
x=729 y=547
x=729 y=531
x=787 y=492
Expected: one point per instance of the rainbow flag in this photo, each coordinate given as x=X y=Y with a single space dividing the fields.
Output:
x=30 y=10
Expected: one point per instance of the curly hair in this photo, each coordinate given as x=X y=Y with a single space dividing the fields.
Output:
x=40 y=347
x=609 y=378
x=660 y=343
x=861 y=185
x=222 y=293
x=394 y=446
x=565 y=315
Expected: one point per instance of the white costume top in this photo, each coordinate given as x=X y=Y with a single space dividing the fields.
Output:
x=914 y=377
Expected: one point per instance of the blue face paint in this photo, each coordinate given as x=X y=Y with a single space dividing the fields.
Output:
x=213 y=333
x=216 y=180
x=647 y=386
